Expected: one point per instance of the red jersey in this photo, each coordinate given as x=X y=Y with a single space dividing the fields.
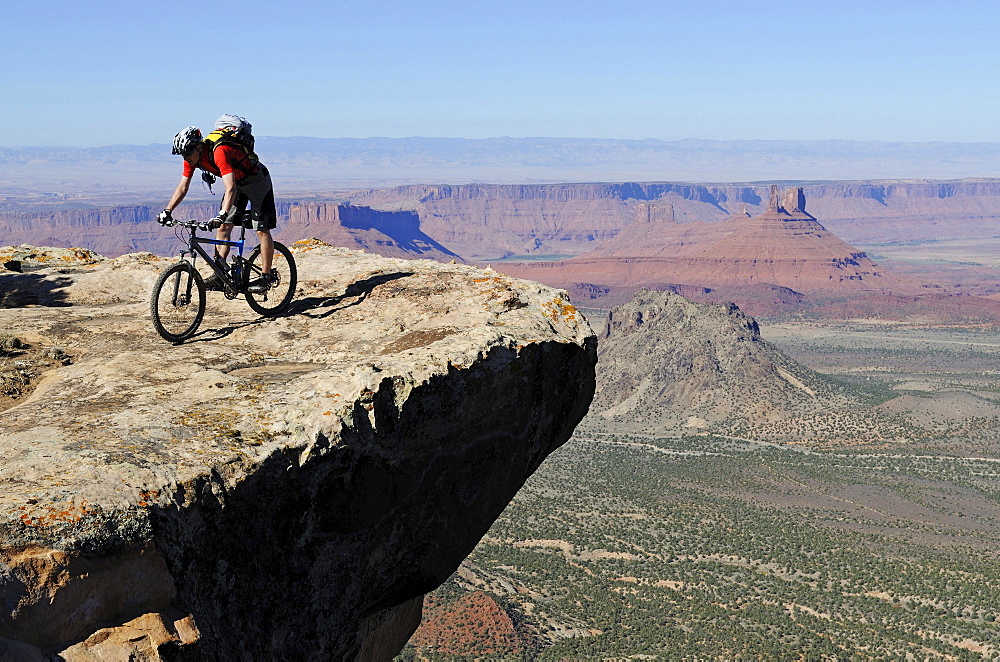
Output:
x=227 y=160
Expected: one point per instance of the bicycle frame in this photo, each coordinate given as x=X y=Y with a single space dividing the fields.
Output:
x=195 y=248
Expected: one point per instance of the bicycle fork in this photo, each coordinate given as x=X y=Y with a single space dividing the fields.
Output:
x=182 y=299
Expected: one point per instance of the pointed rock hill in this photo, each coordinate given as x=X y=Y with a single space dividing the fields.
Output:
x=665 y=361
x=273 y=489
x=785 y=246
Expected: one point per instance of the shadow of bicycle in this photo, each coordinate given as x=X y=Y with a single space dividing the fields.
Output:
x=309 y=306
x=352 y=296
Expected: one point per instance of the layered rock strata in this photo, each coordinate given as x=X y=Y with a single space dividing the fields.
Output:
x=482 y=221
x=785 y=246
x=282 y=488
x=388 y=233
x=120 y=230
x=491 y=221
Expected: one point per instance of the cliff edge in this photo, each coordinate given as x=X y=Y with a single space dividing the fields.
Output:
x=283 y=488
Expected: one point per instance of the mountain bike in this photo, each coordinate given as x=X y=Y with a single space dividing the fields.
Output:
x=177 y=304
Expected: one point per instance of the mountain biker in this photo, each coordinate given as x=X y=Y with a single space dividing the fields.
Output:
x=246 y=183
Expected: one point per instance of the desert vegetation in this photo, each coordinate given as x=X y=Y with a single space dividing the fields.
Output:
x=702 y=547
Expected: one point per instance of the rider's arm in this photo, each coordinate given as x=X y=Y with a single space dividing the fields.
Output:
x=179 y=192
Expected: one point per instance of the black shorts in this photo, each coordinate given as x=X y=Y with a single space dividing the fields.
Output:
x=258 y=192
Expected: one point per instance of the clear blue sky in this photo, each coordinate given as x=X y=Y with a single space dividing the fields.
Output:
x=105 y=72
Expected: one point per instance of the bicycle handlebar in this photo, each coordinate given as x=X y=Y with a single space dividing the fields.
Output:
x=193 y=223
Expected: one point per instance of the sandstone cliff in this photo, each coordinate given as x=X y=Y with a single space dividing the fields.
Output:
x=489 y=221
x=785 y=247
x=388 y=233
x=280 y=488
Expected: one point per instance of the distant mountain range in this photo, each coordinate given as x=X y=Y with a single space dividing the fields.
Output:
x=322 y=163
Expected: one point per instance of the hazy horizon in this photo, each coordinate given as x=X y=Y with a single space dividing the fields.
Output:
x=315 y=165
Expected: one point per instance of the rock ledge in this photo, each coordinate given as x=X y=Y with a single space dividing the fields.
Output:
x=275 y=488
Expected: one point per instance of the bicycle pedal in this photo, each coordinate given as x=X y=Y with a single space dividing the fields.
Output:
x=214 y=284
x=262 y=284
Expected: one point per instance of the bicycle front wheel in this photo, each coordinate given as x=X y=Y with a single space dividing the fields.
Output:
x=279 y=295
x=178 y=302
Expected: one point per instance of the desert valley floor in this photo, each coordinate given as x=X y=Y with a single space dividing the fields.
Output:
x=638 y=544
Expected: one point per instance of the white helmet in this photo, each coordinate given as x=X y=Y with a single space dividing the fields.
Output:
x=186 y=140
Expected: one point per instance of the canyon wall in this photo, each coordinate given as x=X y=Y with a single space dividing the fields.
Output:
x=492 y=221
x=388 y=233
x=115 y=231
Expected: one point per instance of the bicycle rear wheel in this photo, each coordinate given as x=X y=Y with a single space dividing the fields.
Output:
x=280 y=294
x=178 y=302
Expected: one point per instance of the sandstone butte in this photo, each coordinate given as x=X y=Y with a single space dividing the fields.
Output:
x=784 y=246
x=283 y=488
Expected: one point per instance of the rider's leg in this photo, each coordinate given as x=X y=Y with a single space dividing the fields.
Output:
x=223 y=234
x=235 y=215
x=266 y=250
x=259 y=192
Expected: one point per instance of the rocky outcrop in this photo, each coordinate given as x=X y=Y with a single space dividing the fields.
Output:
x=282 y=488
x=667 y=361
x=785 y=246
